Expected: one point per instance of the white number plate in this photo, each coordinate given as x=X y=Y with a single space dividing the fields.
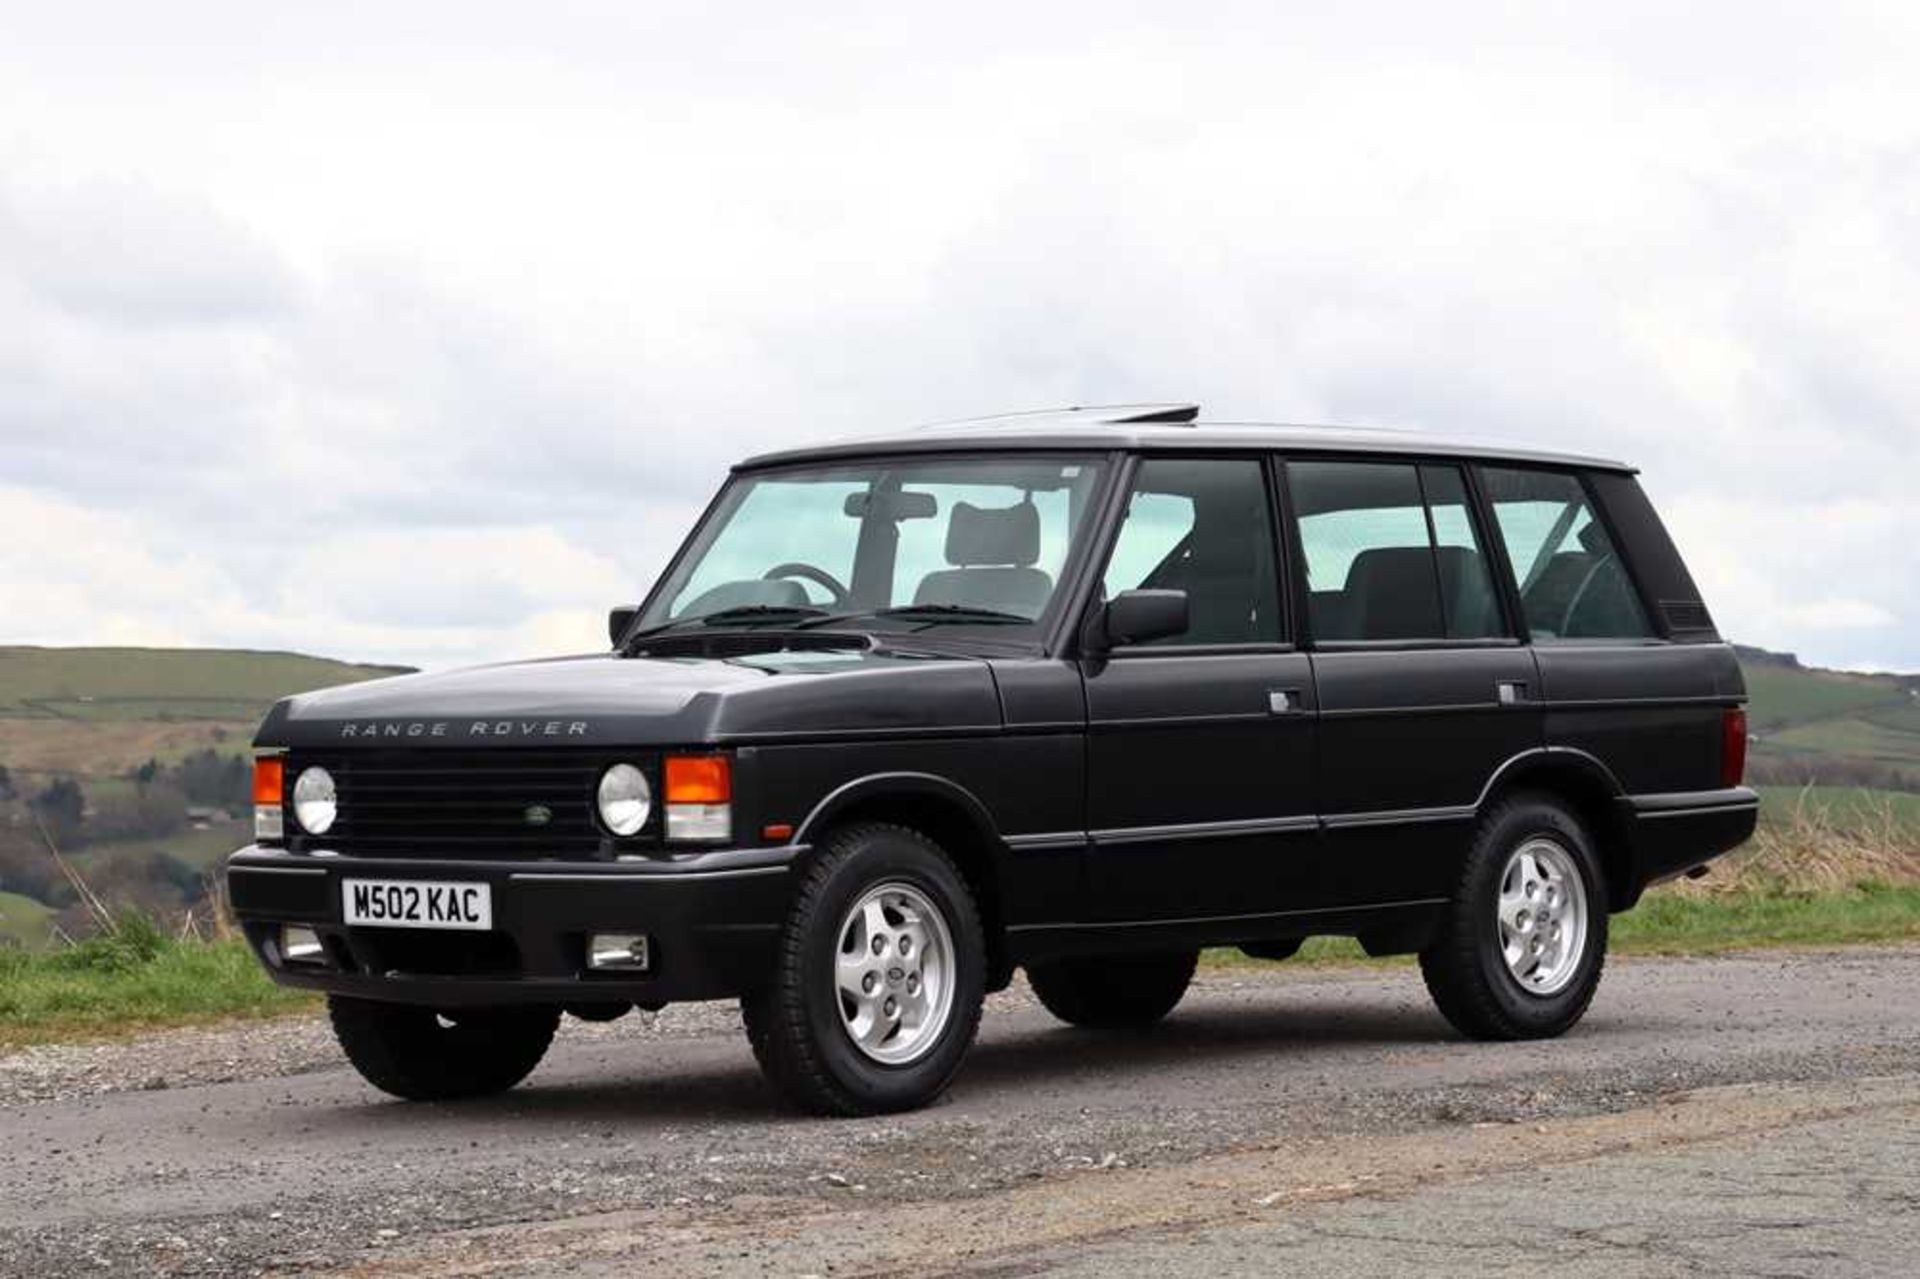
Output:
x=416 y=903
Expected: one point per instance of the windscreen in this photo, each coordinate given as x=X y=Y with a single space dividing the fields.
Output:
x=961 y=536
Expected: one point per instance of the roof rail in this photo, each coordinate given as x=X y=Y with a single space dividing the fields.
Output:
x=1090 y=414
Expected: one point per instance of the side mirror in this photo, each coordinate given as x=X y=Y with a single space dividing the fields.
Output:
x=619 y=621
x=1137 y=617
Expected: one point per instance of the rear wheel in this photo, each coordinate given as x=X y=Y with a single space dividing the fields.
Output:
x=1520 y=951
x=877 y=993
x=424 y=1054
x=1113 y=992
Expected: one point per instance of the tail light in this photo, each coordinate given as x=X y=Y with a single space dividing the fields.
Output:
x=699 y=797
x=1733 y=746
x=269 y=785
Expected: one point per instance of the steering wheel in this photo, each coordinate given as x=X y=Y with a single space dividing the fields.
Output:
x=818 y=576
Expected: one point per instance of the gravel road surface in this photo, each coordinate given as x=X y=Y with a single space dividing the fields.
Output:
x=1757 y=1114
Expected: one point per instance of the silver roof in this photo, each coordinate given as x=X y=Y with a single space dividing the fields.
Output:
x=1151 y=427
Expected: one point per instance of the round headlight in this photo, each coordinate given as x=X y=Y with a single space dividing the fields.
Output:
x=315 y=803
x=625 y=799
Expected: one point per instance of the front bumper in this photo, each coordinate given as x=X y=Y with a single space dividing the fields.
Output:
x=713 y=919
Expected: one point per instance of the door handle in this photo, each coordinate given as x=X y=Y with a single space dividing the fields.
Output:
x=1283 y=701
x=1510 y=692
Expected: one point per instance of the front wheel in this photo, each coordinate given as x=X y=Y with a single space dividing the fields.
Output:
x=1519 y=953
x=424 y=1054
x=877 y=991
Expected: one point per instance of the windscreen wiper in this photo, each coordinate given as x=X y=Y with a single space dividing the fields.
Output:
x=740 y=615
x=932 y=614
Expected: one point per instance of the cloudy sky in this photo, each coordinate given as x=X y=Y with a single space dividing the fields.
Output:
x=418 y=332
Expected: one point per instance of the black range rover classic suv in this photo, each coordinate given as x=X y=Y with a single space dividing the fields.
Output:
x=1078 y=693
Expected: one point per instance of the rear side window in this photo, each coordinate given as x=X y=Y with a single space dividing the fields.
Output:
x=1573 y=585
x=1203 y=526
x=1391 y=553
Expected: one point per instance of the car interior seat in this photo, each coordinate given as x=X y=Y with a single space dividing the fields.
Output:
x=1547 y=600
x=993 y=553
x=1391 y=594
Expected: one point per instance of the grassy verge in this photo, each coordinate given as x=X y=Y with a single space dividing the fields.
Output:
x=1675 y=923
x=131 y=980
x=1671 y=923
x=1817 y=874
x=137 y=979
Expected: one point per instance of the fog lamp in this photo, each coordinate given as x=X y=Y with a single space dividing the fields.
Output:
x=624 y=952
x=300 y=945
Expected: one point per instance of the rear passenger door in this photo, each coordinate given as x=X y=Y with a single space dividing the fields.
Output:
x=1424 y=687
x=1649 y=711
x=1200 y=746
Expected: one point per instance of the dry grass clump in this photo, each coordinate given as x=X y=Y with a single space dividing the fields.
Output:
x=1818 y=848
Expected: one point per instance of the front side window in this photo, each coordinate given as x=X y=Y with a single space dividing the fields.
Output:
x=1203 y=526
x=1391 y=553
x=968 y=539
x=1572 y=582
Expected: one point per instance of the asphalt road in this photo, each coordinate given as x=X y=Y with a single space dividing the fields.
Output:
x=1756 y=1114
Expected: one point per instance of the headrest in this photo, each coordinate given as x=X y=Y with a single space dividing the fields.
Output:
x=978 y=535
x=1593 y=538
x=1390 y=568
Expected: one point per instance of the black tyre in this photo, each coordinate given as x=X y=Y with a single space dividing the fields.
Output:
x=1524 y=939
x=424 y=1054
x=876 y=995
x=1113 y=992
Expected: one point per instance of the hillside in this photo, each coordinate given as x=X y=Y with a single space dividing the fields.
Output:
x=168 y=685
x=155 y=741
x=135 y=761
x=1833 y=727
x=96 y=712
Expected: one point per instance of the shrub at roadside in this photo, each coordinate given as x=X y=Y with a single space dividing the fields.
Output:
x=1811 y=847
x=1809 y=878
x=129 y=978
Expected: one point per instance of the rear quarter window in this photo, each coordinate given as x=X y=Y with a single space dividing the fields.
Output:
x=1574 y=583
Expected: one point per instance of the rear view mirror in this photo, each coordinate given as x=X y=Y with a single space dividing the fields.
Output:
x=1138 y=617
x=619 y=620
x=892 y=506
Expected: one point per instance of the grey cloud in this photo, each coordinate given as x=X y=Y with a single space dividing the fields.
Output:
x=1519 y=223
x=123 y=253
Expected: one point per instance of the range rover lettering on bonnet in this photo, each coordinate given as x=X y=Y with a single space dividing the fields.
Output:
x=474 y=728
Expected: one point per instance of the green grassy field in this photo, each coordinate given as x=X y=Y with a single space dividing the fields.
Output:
x=1903 y=717
x=23 y=920
x=94 y=684
x=1860 y=737
x=203 y=848
x=1779 y=695
x=1833 y=724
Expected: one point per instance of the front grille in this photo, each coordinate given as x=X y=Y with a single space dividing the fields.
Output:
x=463 y=803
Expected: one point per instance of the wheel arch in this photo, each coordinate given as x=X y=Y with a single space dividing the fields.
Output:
x=1588 y=786
x=950 y=815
